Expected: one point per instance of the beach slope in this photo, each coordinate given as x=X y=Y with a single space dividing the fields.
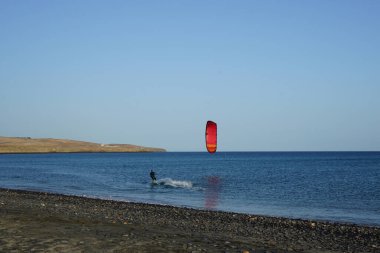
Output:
x=42 y=222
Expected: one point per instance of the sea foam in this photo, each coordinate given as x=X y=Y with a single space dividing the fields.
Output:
x=175 y=183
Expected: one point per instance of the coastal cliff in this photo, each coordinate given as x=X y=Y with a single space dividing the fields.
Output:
x=9 y=145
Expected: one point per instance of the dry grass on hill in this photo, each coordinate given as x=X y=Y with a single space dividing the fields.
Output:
x=48 y=145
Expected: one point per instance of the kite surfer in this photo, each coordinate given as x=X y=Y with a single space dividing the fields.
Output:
x=153 y=175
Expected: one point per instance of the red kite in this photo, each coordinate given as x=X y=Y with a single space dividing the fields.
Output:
x=211 y=134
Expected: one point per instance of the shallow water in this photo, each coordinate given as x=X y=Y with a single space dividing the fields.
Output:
x=335 y=186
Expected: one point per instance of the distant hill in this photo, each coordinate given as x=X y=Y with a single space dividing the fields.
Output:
x=48 y=145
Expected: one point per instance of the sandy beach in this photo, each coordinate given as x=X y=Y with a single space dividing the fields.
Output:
x=42 y=222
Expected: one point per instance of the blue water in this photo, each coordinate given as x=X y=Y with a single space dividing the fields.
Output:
x=334 y=186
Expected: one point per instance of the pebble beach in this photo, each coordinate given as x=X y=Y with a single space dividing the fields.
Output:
x=46 y=222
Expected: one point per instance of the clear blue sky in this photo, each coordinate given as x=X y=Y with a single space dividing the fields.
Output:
x=274 y=75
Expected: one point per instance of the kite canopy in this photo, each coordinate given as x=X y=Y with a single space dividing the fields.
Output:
x=211 y=134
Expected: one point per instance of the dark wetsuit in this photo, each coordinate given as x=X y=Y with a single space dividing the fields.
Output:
x=152 y=175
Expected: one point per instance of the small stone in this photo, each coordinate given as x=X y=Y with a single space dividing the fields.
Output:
x=253 y=219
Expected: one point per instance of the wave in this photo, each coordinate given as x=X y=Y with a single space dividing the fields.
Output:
x=168 y=182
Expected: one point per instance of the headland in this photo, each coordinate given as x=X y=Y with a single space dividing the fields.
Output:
x=14 y=145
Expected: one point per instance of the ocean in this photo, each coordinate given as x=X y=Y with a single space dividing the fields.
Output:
x=332 y=186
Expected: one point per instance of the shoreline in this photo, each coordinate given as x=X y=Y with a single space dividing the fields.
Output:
x=137 y=202
x=55 y=222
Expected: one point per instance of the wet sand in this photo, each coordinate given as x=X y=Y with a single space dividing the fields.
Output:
x=42 y=222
